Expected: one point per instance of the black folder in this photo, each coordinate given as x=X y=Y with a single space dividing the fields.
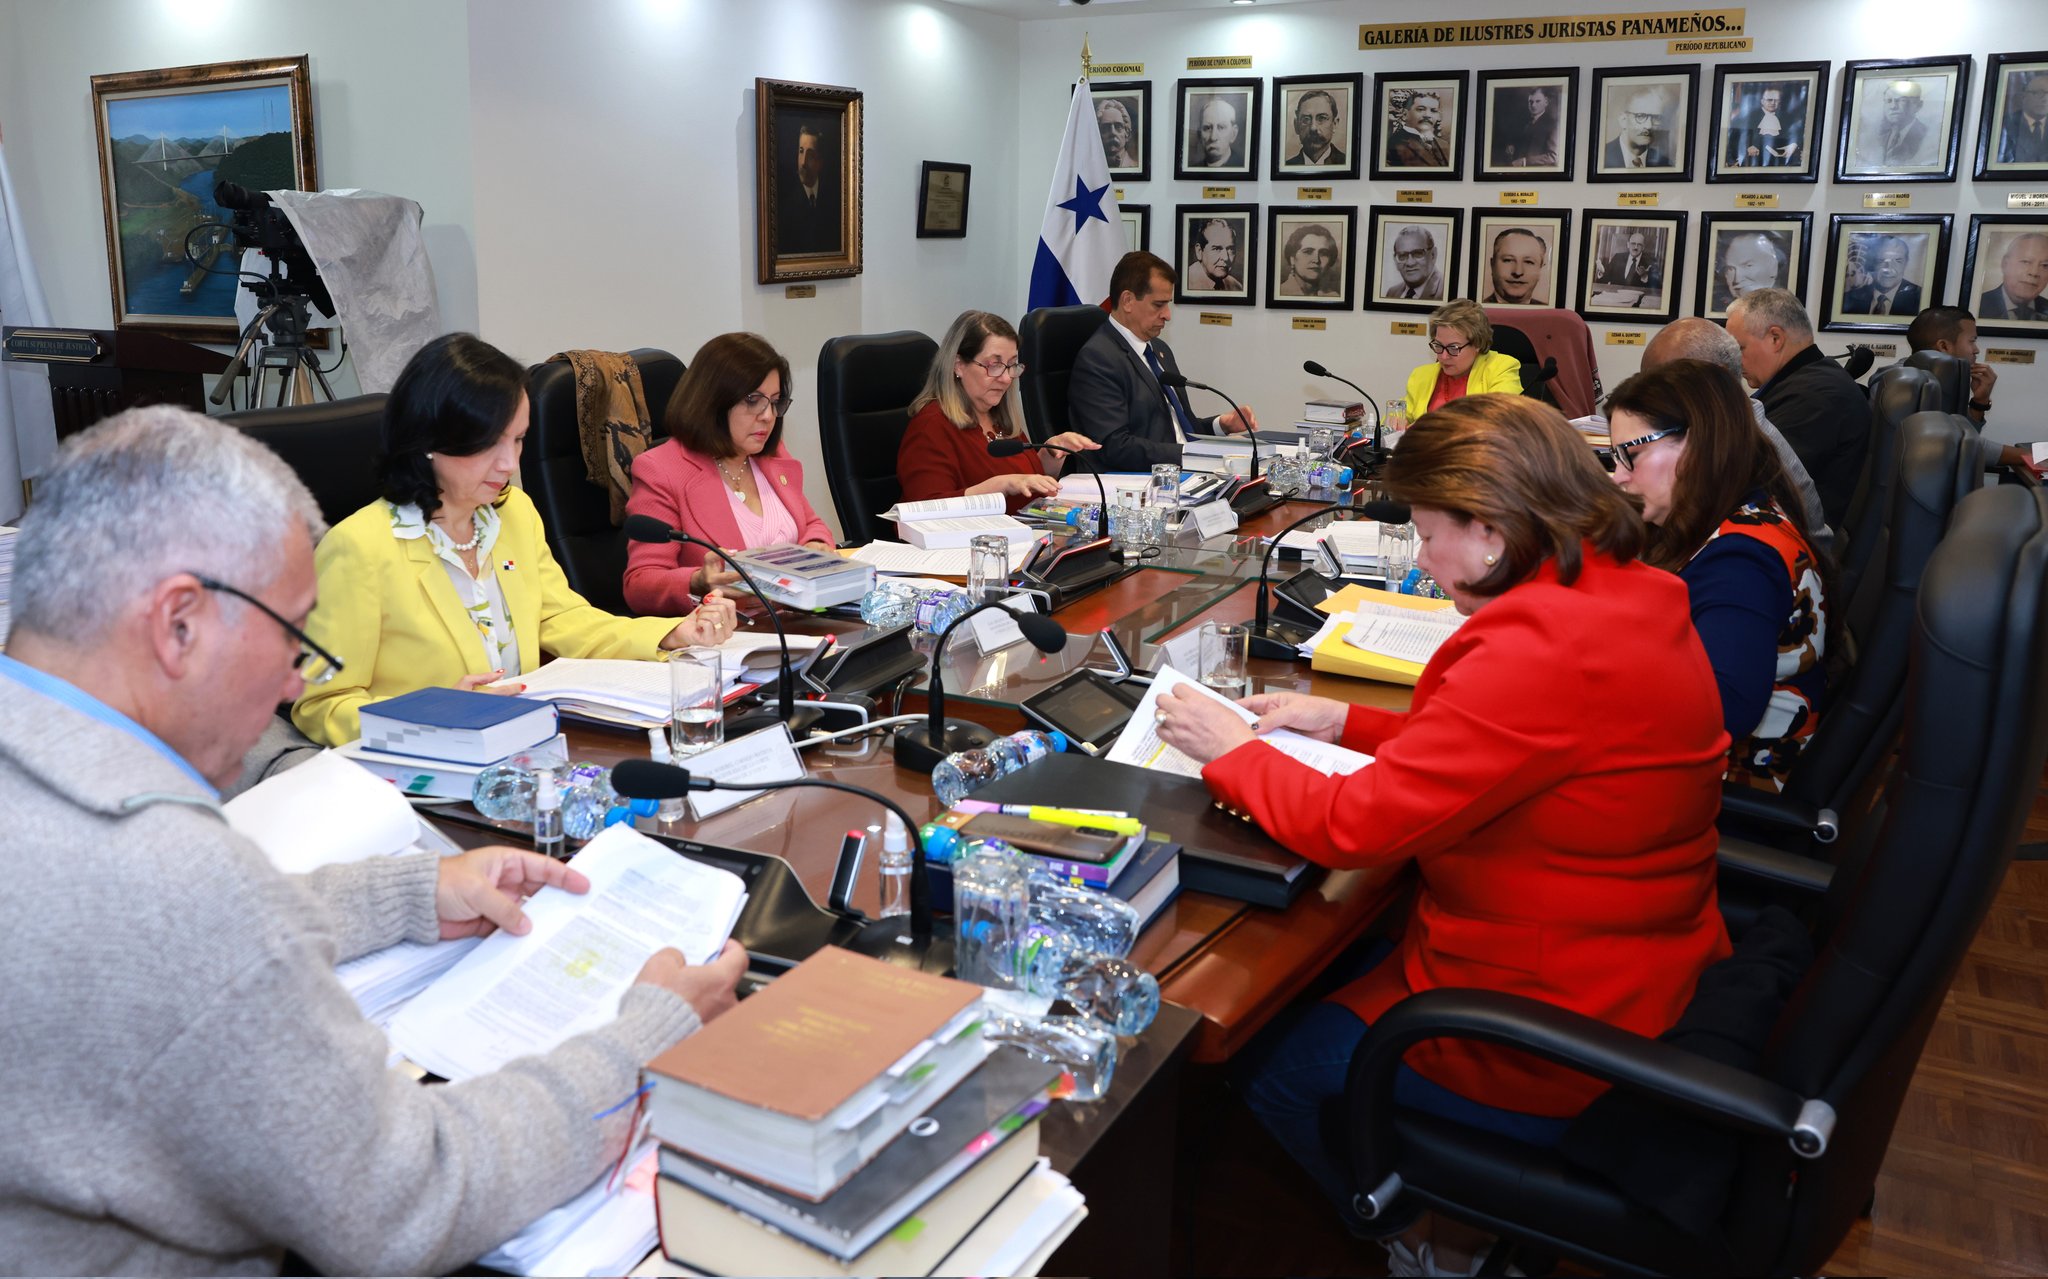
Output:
x=1220 y=854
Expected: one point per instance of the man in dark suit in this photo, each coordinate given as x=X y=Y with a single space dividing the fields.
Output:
x=807 y=201
x=1814 y=403
x=1418 y=141
x=2023 y=270
x=1903 y=140
x=1217 y=139
x=1316 y=121
x=1114 y=393
x=1764 y=137
x=1633 y=269
x=1889 y=291
x=1634 y=145
x=2024 y=139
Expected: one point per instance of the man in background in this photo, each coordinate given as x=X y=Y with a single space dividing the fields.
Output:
x=2024 y=139
x=1633 y=268
x=1752 y=260
x=1214 y=254
x=1316 y=122
x=1525 y=128
x=1636 y=126
x=1415 y=261
x=1113 y=121
x=1516 y=269
x=2023 y=271
x=807 y=209
x=1418 y=138
x=1903 y=141
x=1889 y=291
x=1811 y=399
x=1217 y=135
x=1953 y=331
x=1761 y=138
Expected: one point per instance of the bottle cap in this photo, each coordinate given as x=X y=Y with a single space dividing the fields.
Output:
x=895 y=838
x=940 y=842
x=1059 y=739
x=547 y=791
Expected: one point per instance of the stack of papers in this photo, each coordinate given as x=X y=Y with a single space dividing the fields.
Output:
x=636 y=694
x=895 y=559
x=1375 y=634
x=955 y=521
x=7 y=536
x=606 y=1230
x=1356 y=543
x=1140 y=743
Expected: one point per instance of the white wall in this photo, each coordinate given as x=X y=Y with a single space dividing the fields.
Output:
x=1258 y=358
x=390 y=110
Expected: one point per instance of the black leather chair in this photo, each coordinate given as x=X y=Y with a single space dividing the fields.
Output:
x=575 y=512
x=1831 y=784
x=1896 y=392
x=866 y=382
x=1808 y=1126
x=1048 y=341
x=1511 y=341
x=333 y=447
x=1951 y=378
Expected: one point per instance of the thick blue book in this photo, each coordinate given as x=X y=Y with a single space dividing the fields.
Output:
x=457 y=725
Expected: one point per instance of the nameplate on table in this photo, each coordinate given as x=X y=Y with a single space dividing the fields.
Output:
x=1182 y=653
x=767 y=756
x=800 y=291
x=1315 y=193
x=1625 y=337
x=1883 y=350
x=2026 y=199
x=1310 y=322
x=1635 y=199
x=1216 y=317
x=1219 y=193
x=1693 y=48
x=1222 y=62
x=2007 y=355
x=1212 y=519
x=1888 y=200
x=1756 y=199
x=53 y=346
x=997 y=628
x=1407 y=328
x=1519 y=197
x=1116 y=68
x=1415 y=195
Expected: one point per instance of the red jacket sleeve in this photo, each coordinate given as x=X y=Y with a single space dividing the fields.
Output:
x=1485 y=738
x=927 y=462
x=657 y=582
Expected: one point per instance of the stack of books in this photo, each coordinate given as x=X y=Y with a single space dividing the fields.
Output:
x=432 y=743
x=1144 y=872
x=1322 y=415
x=6 y=580
x=946 y=522
x=800 y=577
x=849 y=1118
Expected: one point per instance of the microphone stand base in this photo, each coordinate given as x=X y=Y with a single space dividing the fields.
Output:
x=1274 y=650
x=891 y=941
x=915 y=748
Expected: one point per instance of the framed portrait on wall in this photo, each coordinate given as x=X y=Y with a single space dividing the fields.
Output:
x=1216 y=257
x=166 y=138
x=1312 y=247
x=1412 y=256
x=1525 y=125
x=2012 y=139
x=1218 y=130
x=807 y=181
x=2004 y=270
x=1743 y=252
x=1315 y=125
x=1631 y=265
x=1418 y=126
x=942 y=200
x=1882 y=268
x=1123 y=114
x=1519 y=257
x=1768 y=122
x=1137 y=219
x=1640 y=126
x=1900 y=121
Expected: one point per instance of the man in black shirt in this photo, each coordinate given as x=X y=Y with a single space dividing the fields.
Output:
x=1812 y=401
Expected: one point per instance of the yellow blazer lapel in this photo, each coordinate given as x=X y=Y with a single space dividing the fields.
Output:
x=441 y=600
x=520 y=588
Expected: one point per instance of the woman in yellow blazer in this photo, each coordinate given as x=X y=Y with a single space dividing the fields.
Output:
x=447 y=579
x=1466 y=363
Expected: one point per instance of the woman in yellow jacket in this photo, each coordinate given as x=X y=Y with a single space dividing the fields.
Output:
x=1466 y=364
x=447 y=579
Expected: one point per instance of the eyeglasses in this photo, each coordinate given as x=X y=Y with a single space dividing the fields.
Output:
x=755 y=402
x=1454 y=350
x=1643 y=119
x=1624 y=451
x=314 y=664
x=996 y=368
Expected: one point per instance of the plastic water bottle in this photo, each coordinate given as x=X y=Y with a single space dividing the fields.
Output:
x=936 y=610
x=1082 y=1048
x=963 y=772
x=888 y=604
x=1097 y=921
x=1049 y=961
x=991 y=910
x=547 y=817
x=583 y=792
x=1325 y=478
x=658 y=750
x=895 y=868
x=1285 y=471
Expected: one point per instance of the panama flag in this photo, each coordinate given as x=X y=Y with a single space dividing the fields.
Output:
x=1082 y=235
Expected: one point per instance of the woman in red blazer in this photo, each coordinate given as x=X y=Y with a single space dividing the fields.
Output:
x=1555 y=780
x=722 y=475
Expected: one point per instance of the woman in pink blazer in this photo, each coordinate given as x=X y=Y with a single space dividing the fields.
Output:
x=722 y=475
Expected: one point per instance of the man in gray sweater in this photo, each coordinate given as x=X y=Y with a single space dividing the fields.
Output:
x=188 y=1087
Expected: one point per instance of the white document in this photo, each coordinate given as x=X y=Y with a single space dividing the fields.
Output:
x=765 y=756
x=962 y=529
x=516 y=996
x=611 y=683
x=606 y=1230
x=947 y=508
x=2039 y=452
x=1079 y=485
x=325 y=810
x=744 y=644
x=1412 y=635
x=997 y=628
x=1140 y=743
x=896 y=557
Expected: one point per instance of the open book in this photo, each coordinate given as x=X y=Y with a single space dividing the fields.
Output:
x=897 y=558
x=954 y=521
x=517 y=996
x=1140 y=743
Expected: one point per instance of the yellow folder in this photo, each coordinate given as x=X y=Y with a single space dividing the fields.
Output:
x=1337 y=657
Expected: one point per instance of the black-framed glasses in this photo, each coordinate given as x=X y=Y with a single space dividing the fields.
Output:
x=755 y=402
x=1454 y=349
x=1623 y=452
x=314 y=664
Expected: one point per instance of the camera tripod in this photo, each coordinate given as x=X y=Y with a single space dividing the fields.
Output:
x=275 y=340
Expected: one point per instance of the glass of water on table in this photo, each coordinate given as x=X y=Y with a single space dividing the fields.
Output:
x=696 y=699
x=1226 y=654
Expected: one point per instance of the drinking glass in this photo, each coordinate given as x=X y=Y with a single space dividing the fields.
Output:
x=1130 y=512
x=696 y=700
x=988 y=567
x=1166 y=486
x=1397 y=551
x=1226 y=651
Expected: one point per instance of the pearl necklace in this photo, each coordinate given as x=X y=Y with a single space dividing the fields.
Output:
x=476 y=536
x=734 y=484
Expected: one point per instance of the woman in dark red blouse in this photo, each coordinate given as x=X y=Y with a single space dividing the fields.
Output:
x=970 y=400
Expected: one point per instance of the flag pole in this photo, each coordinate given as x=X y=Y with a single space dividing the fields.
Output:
x=1084 y=56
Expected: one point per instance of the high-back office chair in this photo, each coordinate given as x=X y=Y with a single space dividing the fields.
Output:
x=1563 y=336
x=332 y=447
x=1538 y=374
x=1896 y=393
x=1806 y=1128
x=1951 y=378
x=1831 y=783
x=577 y=513
x=1048 y=341
x=866 y=382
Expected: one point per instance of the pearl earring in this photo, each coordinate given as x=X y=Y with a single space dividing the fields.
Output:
x=1491 y=558
x=430 y=457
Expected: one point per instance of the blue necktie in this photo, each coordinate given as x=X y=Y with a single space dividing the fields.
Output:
x=1180 y=411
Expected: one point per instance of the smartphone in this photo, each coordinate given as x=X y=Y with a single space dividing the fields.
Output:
x=1074 y=843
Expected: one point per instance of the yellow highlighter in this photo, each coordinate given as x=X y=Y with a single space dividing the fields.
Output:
x=1126 y=826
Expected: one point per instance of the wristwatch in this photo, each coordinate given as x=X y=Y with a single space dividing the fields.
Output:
x=1982 y=406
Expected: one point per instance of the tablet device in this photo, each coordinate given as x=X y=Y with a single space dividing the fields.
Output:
x=1089 y=709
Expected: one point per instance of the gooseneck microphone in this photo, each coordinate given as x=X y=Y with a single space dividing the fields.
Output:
x=1856 y=361
x=1011 y=448
x=1176 y=382
x=645 y=528
x=1384 y=510
x=1379 y=426
x=881 y=938
x=922 y=746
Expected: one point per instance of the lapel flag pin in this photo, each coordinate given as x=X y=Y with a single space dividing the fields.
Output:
x=506 y=567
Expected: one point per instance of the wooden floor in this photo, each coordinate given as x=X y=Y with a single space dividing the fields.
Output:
x=1964 y=1188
